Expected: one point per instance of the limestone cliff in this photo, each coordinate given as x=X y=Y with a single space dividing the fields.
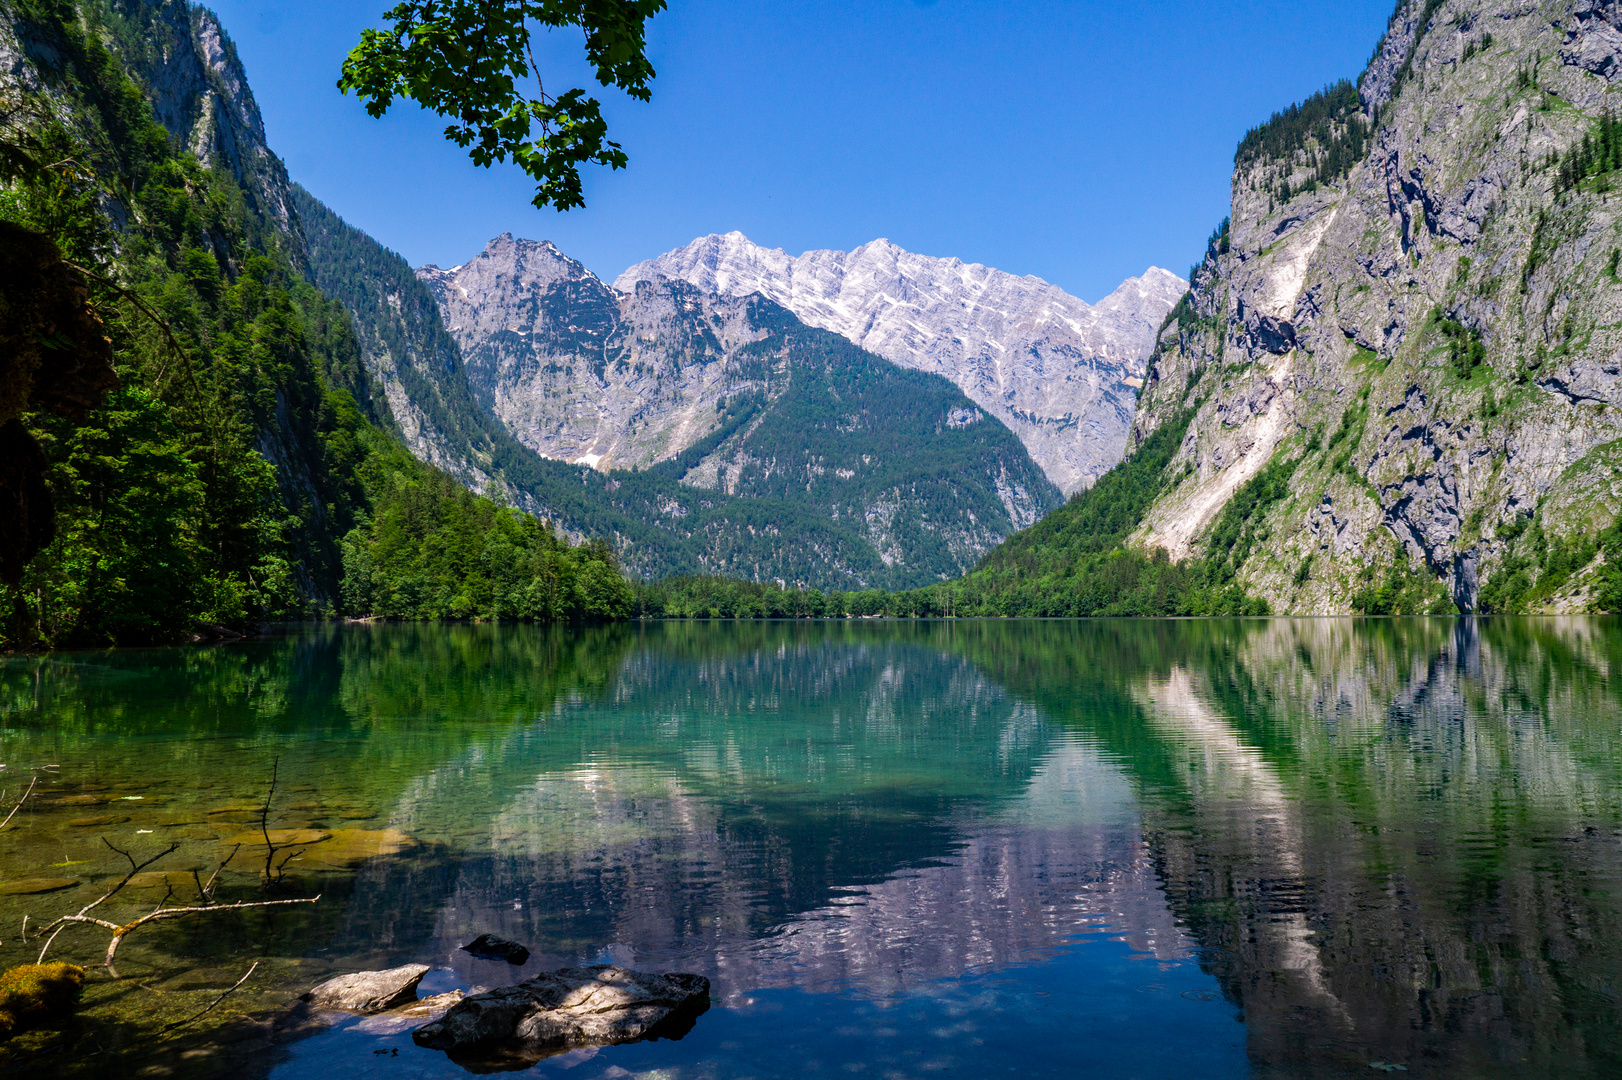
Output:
x=1413 y=311
x=735 y=396
x=1060 y=373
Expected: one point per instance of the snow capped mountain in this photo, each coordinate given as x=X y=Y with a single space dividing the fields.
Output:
x=1062 y=374
x=766 y=448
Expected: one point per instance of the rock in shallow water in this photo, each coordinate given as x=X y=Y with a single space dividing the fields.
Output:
x=369 y=992
x=28 y=886
x=583 y=1006
x=490 y=947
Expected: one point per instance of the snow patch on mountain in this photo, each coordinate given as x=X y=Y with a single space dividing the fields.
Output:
x=1062 y=374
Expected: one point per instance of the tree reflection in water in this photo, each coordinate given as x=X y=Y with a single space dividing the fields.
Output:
x=1381 y=840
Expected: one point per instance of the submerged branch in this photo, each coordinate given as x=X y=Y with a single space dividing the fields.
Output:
x=20 y=801
x=216 y=1001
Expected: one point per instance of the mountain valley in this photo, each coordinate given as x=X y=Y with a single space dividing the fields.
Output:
x=703 y=434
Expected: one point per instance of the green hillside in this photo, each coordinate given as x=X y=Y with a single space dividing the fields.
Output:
x=243 y=457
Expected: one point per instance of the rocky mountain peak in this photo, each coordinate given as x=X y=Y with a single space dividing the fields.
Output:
x=503 y=288
x=1059 y=372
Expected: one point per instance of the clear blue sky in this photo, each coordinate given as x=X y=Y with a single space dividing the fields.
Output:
x=1080 y=142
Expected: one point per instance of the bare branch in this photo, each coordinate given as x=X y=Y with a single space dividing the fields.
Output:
x=134 y=869
x=208 y=890
x=121 y=932
x=264 y=819
x=216 y=1001
x=20 y=801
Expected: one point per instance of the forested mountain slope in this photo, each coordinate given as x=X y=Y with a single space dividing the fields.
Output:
x=1059 y=372
x=230 y=461
x=1407 y=334
x=764 y=449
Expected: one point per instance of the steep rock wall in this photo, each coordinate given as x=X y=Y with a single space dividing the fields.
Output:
x=1430 y=341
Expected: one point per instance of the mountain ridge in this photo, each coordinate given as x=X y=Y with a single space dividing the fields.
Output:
x=670 y=385
x=1054 y=369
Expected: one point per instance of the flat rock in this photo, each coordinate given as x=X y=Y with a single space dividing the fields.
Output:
x=490 y=947
x=166 y=879
x=26 y=886
x=281 y=837
x=585 y=1006
x=409 y=1016
x=97 y=819
x=368 y=992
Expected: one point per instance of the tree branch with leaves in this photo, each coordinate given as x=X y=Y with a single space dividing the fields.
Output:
x=471 y=60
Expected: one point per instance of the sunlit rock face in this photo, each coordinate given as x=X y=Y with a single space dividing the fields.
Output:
x=582 y=374
x=1429 y=340
x=734 y=395
x=1060 y=373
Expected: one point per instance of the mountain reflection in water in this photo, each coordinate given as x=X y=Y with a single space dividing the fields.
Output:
x=1050 y=846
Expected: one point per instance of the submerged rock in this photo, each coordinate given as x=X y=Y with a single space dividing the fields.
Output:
x=280 y=837
x=368 y=992
x=555 y=1010
x=38 y=995
x=94 y=820
x=490 y=947
x=28 y=886
x=410 y=1015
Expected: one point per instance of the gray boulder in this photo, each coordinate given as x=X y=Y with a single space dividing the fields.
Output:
x=585 y=1006
x=368 y=992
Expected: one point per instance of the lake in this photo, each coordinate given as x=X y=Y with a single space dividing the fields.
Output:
x=1113 y=848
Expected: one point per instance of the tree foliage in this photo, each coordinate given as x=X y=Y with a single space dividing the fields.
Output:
x=469 y=60
x=1327 y=133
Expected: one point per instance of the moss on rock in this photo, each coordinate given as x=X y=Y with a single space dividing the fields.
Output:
x=38 y=996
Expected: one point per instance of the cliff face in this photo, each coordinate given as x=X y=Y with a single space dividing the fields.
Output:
x=576 y=372
x=1428 y=341
x=727 y=398
x=1061 y=374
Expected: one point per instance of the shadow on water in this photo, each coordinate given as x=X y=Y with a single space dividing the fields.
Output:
x=1385 y=842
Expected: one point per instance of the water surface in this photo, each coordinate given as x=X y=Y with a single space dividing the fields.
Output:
x=898 y=849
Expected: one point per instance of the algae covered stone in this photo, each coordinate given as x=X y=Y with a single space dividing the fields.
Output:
x=38 y=995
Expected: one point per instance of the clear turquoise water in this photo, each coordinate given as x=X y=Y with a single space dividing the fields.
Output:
x=1111 y=848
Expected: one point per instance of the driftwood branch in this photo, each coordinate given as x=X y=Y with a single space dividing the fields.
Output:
x=264 y=819
x=207 y=890
x=120 y=931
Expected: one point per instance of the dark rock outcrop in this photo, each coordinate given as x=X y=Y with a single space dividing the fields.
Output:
x=490 y=947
